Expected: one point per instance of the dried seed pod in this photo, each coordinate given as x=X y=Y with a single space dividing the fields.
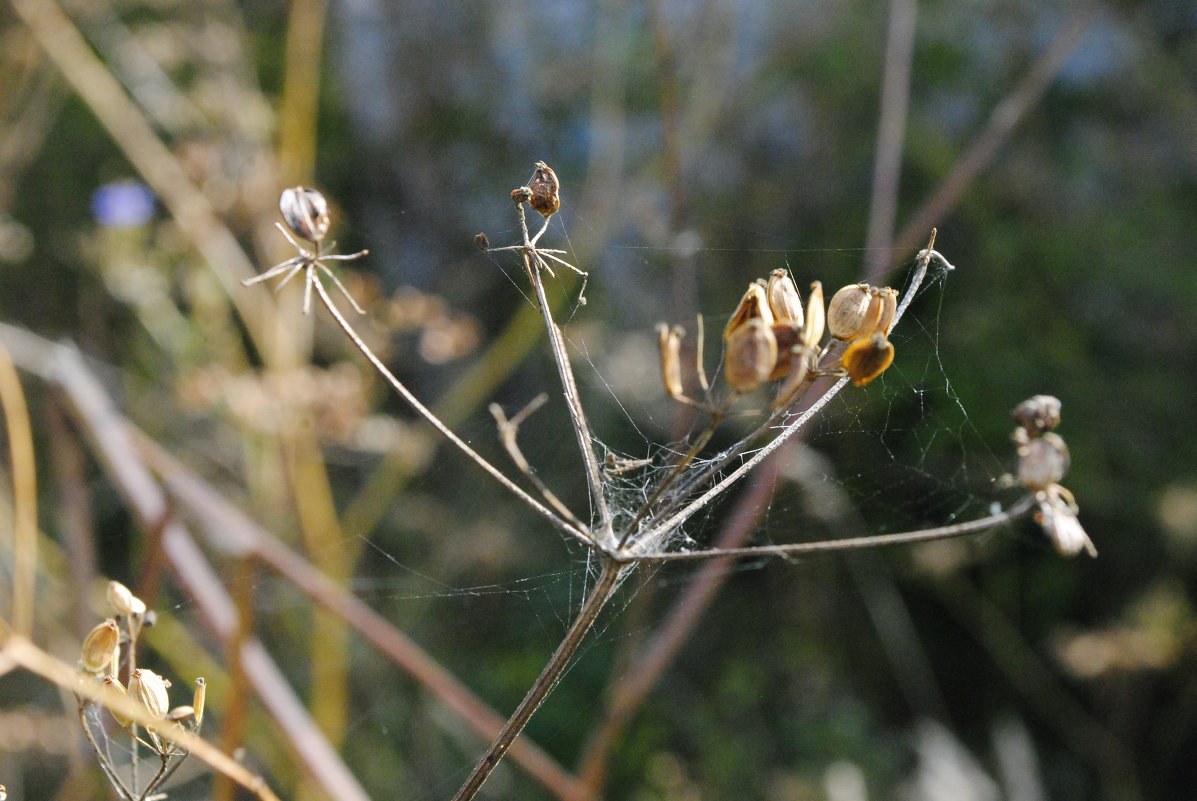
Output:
x=1042 y=461
x=671 y=359
x=749 y=356
x=784 y=300
x=1060 y=524
x=545 y=190
x=119 y=689
x=197 y=701
x=121 y=599
x=1038 y=414
x=889 y=309
x=753 y=306
x=305 y=211
x=867 y=358
x=788 y=345
x=803 y=364
x=101 y=647
x=481 y=242
x=812 y=329
x=854 y=312
x=149 y=689
x=180 y=714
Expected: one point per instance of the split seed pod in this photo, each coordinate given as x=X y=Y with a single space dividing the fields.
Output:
x=149 y=689
x=545 y=190
x=671 y=359
x=812 y=329
x=101 y=647
x=750 y=355
x=867 y=358
x=305 y=211
x=1042 y=461
x=753 y=306
x=119 y=689
x=784 y=300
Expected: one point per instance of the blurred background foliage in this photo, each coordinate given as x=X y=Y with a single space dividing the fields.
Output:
x=700 y=144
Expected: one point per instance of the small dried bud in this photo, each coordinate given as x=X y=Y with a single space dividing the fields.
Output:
x=149 y=690
x=749 y=356
x=1038 y=414
x=101 y=647
x=118 y=688
x=305 y=211
x=1060 y=524
x=545 y=190
x=1042 y=461
x=197 y=701
x=481 y=242
x=671 y=360
x=812 y=329
x=784 y=300
x=867 y=358
x=753 y=306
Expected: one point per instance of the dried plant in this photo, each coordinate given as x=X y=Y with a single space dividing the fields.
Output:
x=771 y=339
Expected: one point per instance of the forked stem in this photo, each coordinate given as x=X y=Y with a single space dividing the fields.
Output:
x=604 y=588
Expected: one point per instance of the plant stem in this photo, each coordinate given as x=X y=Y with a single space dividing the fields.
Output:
x=602 y=591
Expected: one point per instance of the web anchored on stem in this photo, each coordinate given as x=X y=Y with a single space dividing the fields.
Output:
x=771 y=341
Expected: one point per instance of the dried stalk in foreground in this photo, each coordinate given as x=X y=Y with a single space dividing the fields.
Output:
x=768 y=339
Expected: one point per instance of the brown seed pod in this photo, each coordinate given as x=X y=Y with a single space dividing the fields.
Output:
x=867 y=358
x=100 y=647
x=753 y=306
x=812 y=329
x=784 y=300
x=119 y=689
x=750 y=355
x=545 y=190
x=149 y=690
x=889 y=309
x=788 y=344
x=671 y=359
x=853 y=313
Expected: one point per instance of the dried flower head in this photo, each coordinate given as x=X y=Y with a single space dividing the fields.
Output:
x=1042 y=462
x=1038 y=414
x=750 y=355
x=867 y=358
x=123 y=601
x=149 y=690
x=784 y=300
x=306 y=212
x=545 y=189
x=101 y=647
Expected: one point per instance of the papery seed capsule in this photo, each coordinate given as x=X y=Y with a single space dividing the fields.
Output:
x=671 y=360
x=100 y=647
x=119 y=689
x=788 y=344
x=753 y=306
x=149 y=690
x=749 y=356
x=784 y=300
x=120 y=598
x=1061 y=526
x=812 y=329
x=867 y=358
x=854 y=312
x=305 y=211
x=1042 y=461
x=889 y=309
x=545 y=190
x=197 y=701
x=1038 y=414
x=802 y=364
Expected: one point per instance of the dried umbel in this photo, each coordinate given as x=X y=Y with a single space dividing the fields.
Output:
x=305 y=211
x=545 y=189
x=867 y=358
x=860 y=310
x=1042 y=461
x=750 y=355
x=149 y=689
x=101 y=648
x=1038 y=414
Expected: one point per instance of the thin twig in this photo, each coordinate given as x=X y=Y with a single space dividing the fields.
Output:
x=602 y=591
x=508 y=433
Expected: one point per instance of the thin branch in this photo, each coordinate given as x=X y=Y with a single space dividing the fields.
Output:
x=557 y=521
x=508 y=433
x=602 y=591
x=848 y=543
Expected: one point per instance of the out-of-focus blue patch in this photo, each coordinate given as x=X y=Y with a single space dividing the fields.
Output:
x=126 y=204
